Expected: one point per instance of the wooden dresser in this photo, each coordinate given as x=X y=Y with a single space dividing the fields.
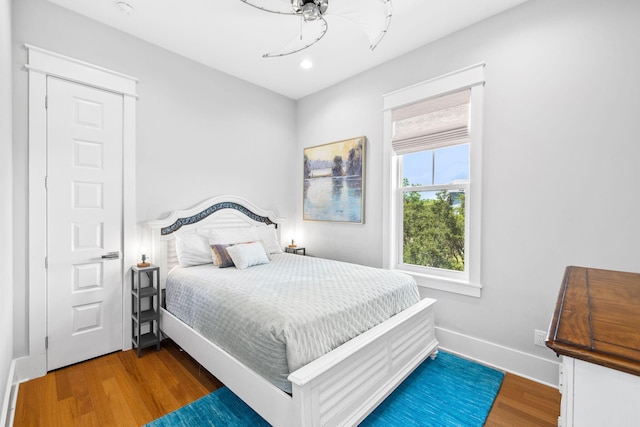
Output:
x=596 y=330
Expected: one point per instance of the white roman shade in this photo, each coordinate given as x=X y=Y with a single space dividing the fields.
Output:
x=433 y=123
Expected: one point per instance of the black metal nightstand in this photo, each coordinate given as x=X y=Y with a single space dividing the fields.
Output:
x=145 y=285
x=297 y=250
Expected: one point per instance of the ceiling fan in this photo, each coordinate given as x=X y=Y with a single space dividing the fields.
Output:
x=372 y=16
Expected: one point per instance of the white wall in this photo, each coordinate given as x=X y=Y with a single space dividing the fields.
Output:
x=560 y=162
x=6 y=191
x=200 y=132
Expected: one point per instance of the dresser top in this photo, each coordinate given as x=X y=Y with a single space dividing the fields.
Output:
x=597 y=318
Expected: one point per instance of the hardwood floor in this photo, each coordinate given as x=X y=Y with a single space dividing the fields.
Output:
x=121 y=390
x=524 y=403
x=114 y=390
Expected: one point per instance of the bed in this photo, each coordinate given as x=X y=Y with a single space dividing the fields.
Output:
x=318 y=386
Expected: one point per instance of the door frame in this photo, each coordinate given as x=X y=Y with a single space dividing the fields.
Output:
x=41 y=64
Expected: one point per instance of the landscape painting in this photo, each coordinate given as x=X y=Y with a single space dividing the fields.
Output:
x=334 y=181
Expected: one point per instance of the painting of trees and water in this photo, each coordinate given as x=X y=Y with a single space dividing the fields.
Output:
x=334 y=181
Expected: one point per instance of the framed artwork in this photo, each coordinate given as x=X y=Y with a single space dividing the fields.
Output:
x=334 y=181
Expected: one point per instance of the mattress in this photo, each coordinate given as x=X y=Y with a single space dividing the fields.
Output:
x=277 y=317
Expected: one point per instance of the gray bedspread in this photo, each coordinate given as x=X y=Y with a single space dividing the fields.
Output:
x=277 y=317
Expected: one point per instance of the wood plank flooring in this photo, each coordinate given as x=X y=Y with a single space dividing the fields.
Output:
x=114 y=390
x=524 y=403
x=121 y=390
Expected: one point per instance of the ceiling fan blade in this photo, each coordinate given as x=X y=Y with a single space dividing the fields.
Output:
x=282 y=7
x=371 y=16
x=311 y=33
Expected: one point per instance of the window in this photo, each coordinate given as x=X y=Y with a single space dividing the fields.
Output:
x=431 y=142
x=433 y=153
x=433 y=214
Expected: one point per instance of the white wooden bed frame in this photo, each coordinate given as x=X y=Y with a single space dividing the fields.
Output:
x=340 y=388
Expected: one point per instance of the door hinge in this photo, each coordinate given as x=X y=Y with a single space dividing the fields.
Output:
x=46 y=182
x=46 y=262
x=46 y=102
x=46 y=343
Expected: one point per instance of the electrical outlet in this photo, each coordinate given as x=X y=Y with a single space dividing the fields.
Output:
x=539 y=337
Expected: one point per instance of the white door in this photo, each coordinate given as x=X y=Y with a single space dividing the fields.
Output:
x=84 y=222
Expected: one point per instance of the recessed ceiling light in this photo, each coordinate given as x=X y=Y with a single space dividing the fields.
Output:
x=125 y=7
x=306 y=64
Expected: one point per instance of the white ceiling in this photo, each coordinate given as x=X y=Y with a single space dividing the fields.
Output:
x=231 y=36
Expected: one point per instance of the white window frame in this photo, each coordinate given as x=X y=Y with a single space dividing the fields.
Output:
x=469 y=282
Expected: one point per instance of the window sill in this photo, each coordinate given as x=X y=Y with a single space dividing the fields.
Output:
x=455 y=286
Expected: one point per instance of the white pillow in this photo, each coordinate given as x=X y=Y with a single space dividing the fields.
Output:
x=228 y=236
x=192 y=249
x=269 y=236
x=247 y=254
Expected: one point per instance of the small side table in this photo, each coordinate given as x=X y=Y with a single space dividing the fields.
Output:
x=147 y=290
x=297 y=250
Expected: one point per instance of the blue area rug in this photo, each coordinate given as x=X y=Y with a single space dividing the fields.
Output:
x=448 y=391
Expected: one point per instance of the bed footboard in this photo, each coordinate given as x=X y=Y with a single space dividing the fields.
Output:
x=345 y=385
x=340 y=388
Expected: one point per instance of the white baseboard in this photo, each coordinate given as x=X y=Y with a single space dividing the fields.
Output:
x=10 y=397
x=526 y=365
x=30 y=367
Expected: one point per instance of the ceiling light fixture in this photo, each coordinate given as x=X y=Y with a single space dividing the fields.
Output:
x=372 y=16
x=125 y=7
x=310 y=9
x=310 y=12
x=306 y=64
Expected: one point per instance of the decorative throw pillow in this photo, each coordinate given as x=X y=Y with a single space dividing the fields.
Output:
x=221 y=255
x=248 y=254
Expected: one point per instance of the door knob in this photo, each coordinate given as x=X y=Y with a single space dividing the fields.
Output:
x=111 y=255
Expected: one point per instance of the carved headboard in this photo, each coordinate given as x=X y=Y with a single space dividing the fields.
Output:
x=216 y=212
